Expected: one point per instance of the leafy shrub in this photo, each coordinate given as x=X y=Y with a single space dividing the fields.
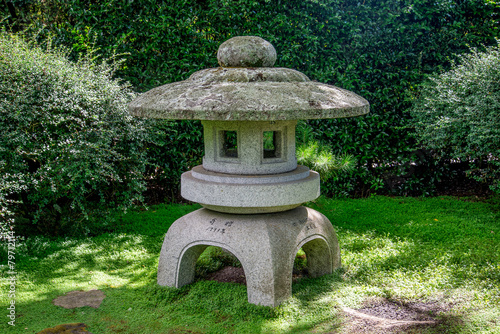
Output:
x=458 y=114
x=68 y=143
x=9 y=183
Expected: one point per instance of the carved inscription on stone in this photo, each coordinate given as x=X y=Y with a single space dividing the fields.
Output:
x=218 y=226
x=309 y=224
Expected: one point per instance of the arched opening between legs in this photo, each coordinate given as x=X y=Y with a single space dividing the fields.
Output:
x=318 y=256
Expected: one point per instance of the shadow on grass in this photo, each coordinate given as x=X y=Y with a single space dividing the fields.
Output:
x=458 y=239
x=126 y=272
x=380 y=239
x=124 y=267
x=144 y=307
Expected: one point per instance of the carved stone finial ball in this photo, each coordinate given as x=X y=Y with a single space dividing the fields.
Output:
x=246 y=51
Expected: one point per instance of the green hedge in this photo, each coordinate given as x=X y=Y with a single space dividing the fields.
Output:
x=70 y=154
x=379 y=49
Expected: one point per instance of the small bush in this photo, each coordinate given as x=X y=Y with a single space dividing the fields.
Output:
x=319 y=157
x=458 y=114
x=67 y=137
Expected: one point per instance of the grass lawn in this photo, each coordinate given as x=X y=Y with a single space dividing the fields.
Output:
x=434 y=251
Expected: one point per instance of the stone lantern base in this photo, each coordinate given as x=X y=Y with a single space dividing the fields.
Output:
x=265 y=244
x=250 y=194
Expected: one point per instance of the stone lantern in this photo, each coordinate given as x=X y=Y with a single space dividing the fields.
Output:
x=250 y=185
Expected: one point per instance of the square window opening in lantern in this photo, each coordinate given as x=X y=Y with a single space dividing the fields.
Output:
x=229 y=144
x=272 y=144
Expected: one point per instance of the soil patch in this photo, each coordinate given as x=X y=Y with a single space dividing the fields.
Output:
x=228 y=275
x=377 y=316
x=76 y=328
x=231 y=274
x=385 y=316
x=396 y=311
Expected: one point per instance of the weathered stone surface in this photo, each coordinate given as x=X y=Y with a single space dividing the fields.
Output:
x=75 y=328
x=245 y=75
x=300 y=173
x=249 y=113
x=251 y=195
x=265 y=244
x=246 y=51
x=253 y=101
x=253 y=93
x=73 y=299
x=250 y=159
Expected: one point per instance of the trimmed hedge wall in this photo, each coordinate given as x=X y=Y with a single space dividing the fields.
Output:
x=382 y=50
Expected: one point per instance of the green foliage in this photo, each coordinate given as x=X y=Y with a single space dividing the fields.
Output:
x=457 y=114
x=319 y=157
x=9 y=183
x=381 y=50
x=175 y=147
x=69 y=151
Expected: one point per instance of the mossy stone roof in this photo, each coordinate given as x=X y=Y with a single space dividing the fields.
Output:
x=248 y=93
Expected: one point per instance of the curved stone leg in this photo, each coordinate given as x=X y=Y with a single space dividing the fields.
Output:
x=265 y=244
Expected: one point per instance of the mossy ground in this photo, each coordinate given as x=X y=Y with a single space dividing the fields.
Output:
x=427 y=250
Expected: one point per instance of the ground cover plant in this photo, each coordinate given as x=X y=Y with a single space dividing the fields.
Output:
x=441 y=252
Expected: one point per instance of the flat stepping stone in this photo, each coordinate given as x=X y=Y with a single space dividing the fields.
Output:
x=76 y=328
x=74 y=299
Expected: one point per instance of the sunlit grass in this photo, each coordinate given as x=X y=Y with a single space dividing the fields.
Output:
x=401 y=249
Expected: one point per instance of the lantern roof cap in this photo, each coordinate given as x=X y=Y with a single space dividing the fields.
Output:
x=246 y=87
